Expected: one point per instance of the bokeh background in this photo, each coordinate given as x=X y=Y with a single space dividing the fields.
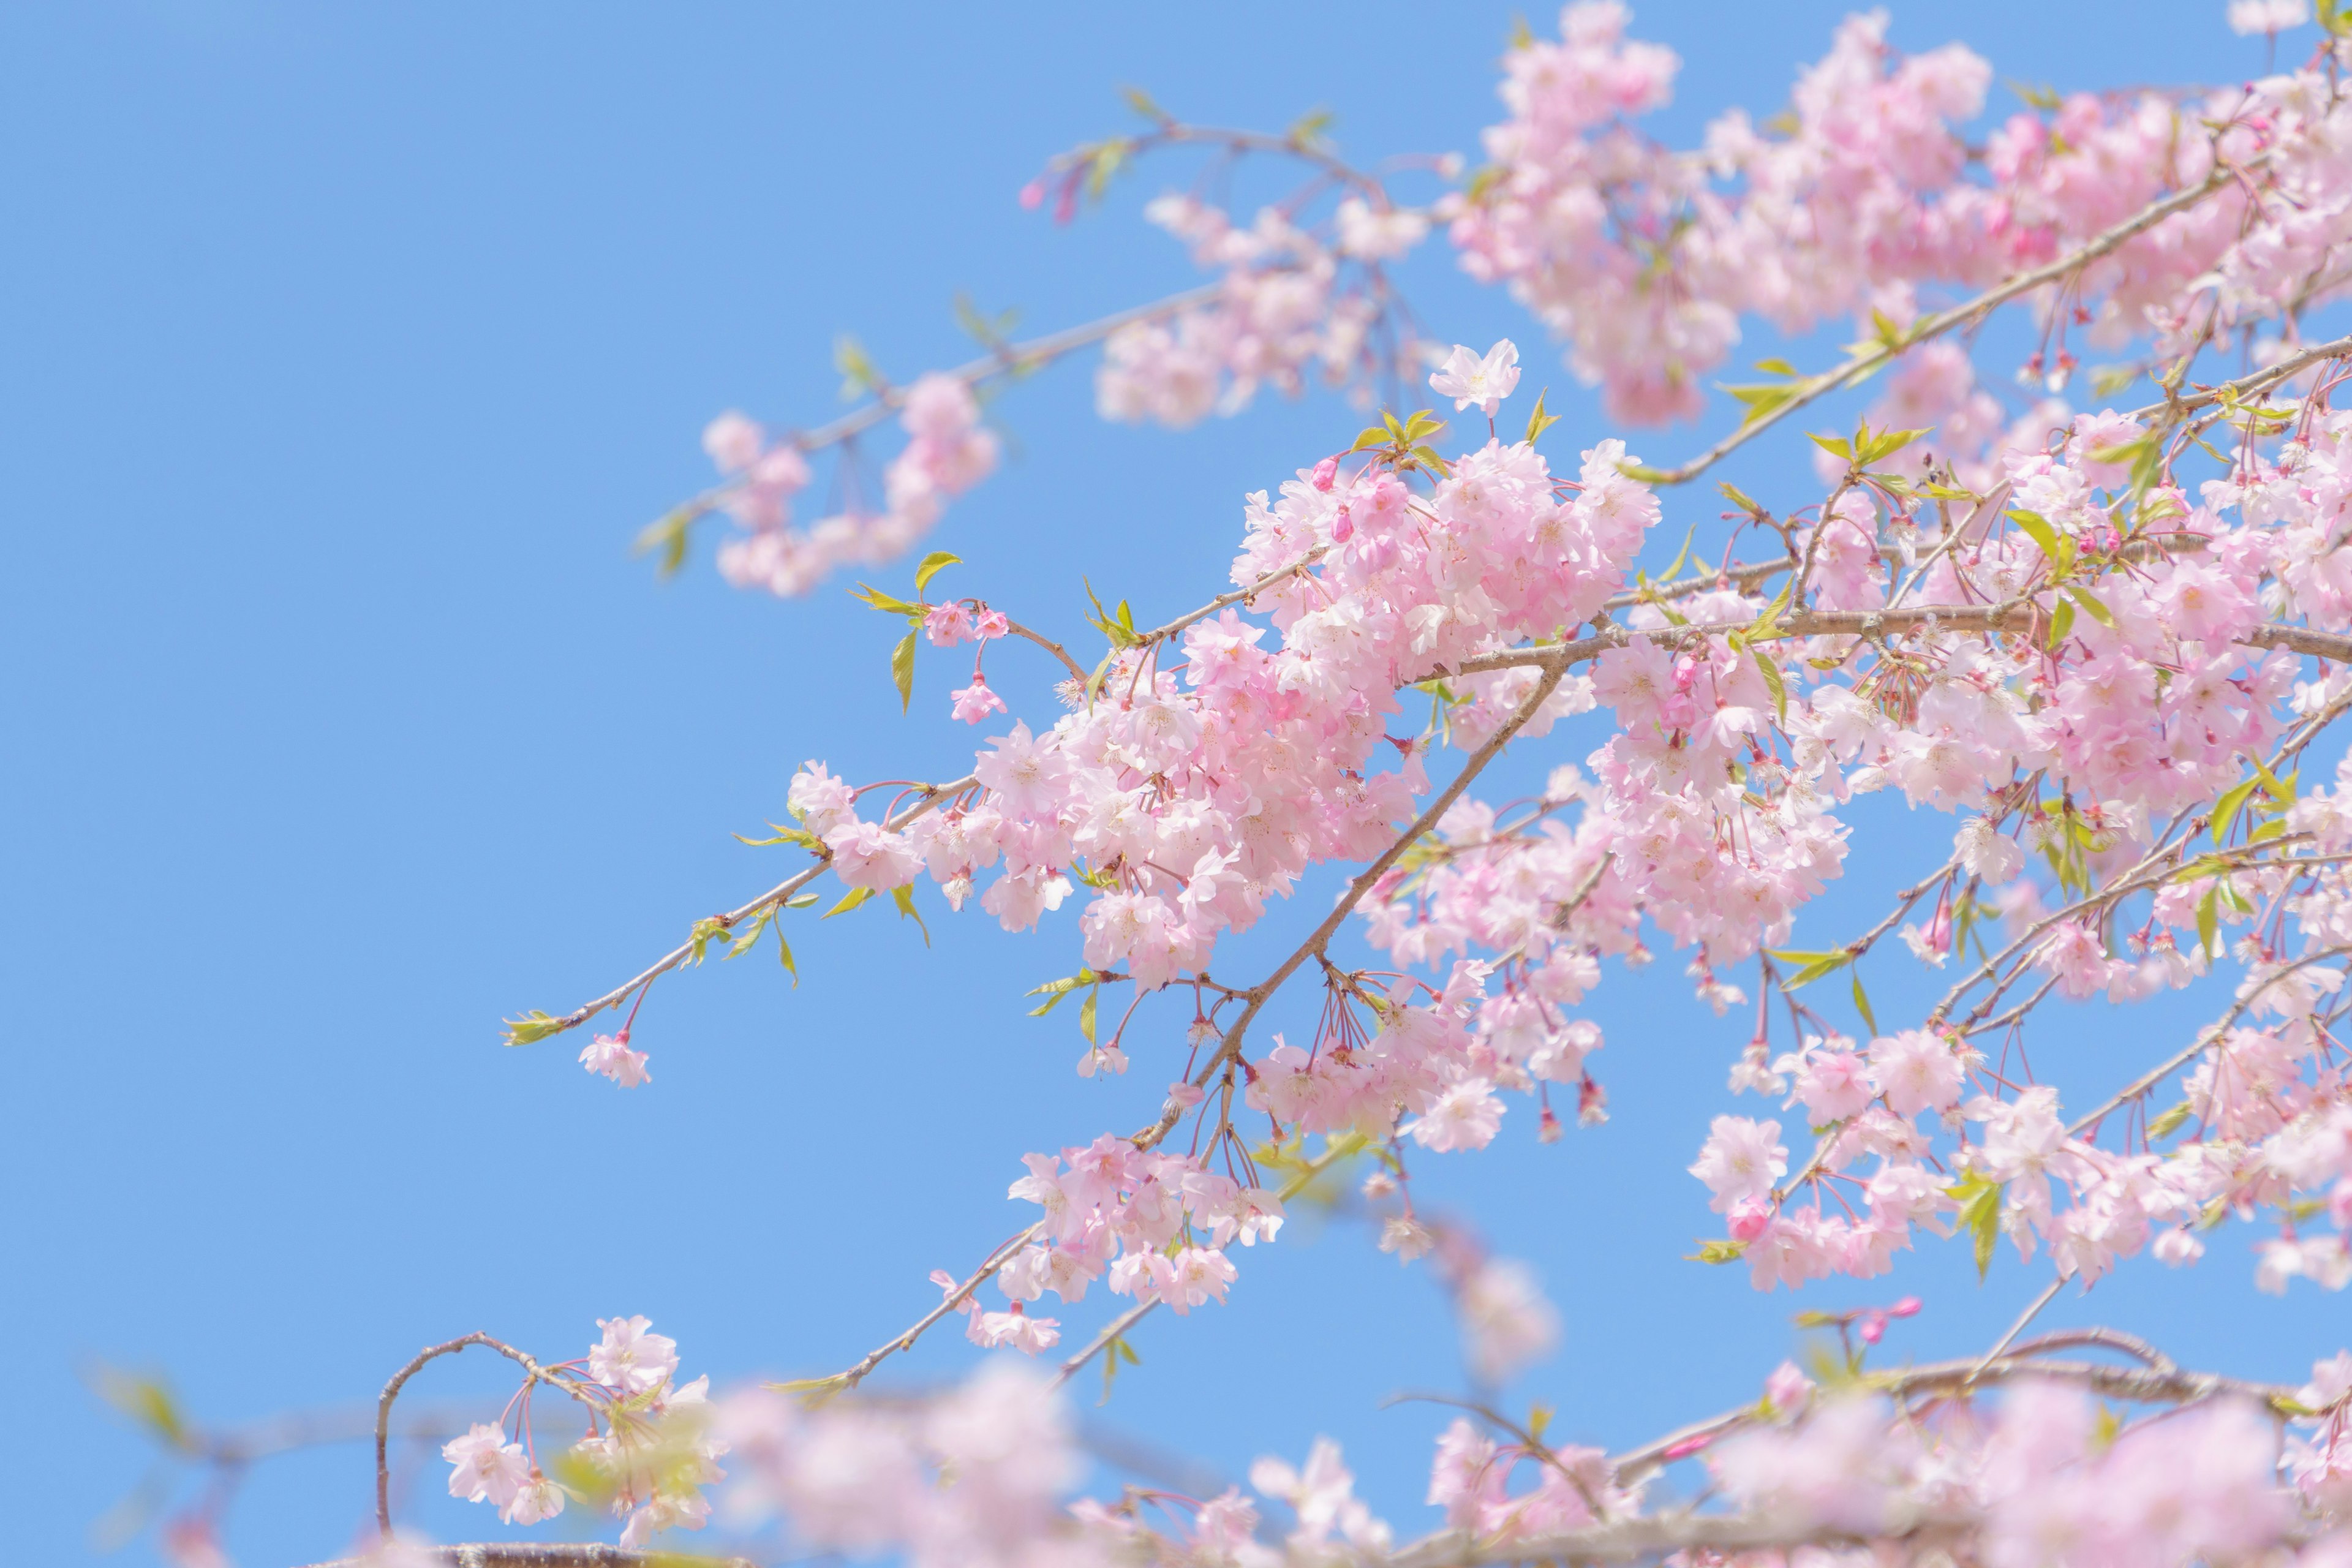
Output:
x=346 y=348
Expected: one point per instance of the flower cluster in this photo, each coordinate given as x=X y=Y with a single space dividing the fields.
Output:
x=947 y=453
x=1647 y=258
x=651 y=1447
x=1140 y=1217
x=1282 y=313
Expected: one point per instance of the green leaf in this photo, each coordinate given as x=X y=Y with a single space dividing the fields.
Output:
x=1737 y=497
x=929 y=567
x=1772 y=673
x=1087 y=1012
x=887 y=602
x=1979 y=1201
x=2170 y=1121
x=1140 y=101
x=784 y=955
x=2208 y=921
x=904 y=896
x=1886 y=443
x=1717 y=1250
x=147 y=1400
x=990 y=334
x=748 y=936
x=1762 y=400
x=532 y=1027
x=2097 y=611
x=1055 y=990
x=1308 y=128
x=708 y=929
x=2226 y=809
x=858 y=375
x=902 y=671
x=2061 y=621
x=1835 y=445
x=669 y=537
x=800 y=836
x=1778 y=367
x=1862 y=1003
x=849 y=900
x=1643 y=473
x=1539 y=422
x=2037 y=528
x=1811 y=966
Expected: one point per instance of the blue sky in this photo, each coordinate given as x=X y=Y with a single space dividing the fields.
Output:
x=346 y=349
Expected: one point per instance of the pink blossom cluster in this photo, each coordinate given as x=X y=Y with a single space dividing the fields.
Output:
x=1284 y=310
x=1647 y=258
x=972 y=1478
x=651 y=1446
x=2042 y=1471
x=948 y=451
x=1142 y=1217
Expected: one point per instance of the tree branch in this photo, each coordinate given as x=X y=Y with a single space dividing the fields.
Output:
x=1942 y=322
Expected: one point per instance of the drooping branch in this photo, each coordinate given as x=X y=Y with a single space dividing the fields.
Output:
x=542 y=1554
x=540 y=1027
x=532 y=1372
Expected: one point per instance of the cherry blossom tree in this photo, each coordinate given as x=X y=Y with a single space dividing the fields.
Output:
x=2097 y=638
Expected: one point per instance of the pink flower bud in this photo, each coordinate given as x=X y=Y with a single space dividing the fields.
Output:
x=1748 y=1218
x=1034 y=193
x=1343 y=527
x=1326 y=472
x=1906 y=1308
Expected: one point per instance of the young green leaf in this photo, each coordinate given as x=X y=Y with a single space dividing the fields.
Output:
x=902 y=671
x=849 y=900
x=930 y=567
x=1539 y=422
x=2037 y=528
x=1772 y=682
x=669 y=536
x=532 y=1027
x=904 y=896
x=1087 y=1012
x=2061 y=621
x=1980 y=1203
x=2091 y=606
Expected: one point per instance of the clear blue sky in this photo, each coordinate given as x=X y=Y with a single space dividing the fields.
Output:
x=345 y=349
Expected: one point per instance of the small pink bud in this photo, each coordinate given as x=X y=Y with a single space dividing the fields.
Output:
x=1687 y=1446
x=1906 y=1308
x=1749 y=1219
x=1874 y=1328
x=1343 y=527
x=1034 y=193
x=1326 y=472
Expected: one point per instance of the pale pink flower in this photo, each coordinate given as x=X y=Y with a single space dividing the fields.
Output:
x=975 y=702
x=611 y=1055
x=1742 y=1159
x=630 y=1359
x=867 y=855
x=485 y=1467
x=1466 y=378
